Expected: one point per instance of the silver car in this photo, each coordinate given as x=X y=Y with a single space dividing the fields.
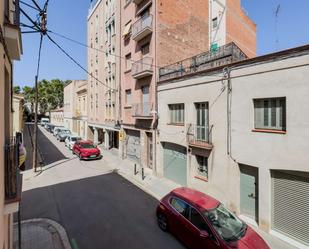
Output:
x=70 y=141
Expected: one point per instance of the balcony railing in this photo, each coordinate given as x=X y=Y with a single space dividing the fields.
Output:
x=141 y=28
x=199 y=136
x=142 y=110
x=222 y=56
x=142 y=68
x=11 y=150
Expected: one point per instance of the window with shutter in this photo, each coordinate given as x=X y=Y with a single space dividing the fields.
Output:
x=176 y=113
x=270 y=114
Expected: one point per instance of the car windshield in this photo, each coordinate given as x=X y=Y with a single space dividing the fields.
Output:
x=227 y=225
x=74 y=139
x=87 y=146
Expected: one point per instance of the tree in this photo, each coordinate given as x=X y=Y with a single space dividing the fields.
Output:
x=16 y=89
x=29 y=96
x=50 y=94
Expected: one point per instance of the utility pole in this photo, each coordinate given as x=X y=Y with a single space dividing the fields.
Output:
x=35 y=135
x=43 y=31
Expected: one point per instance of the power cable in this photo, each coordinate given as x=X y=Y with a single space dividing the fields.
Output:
x=77 y=63
x=99 y=50
x=28 y=5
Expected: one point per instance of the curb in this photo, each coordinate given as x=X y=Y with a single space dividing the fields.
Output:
x=138 y=184
x=59 y=228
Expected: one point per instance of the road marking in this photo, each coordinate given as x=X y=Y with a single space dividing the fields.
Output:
x=74 y=244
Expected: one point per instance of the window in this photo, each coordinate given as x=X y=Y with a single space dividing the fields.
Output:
x=128 y=97
x=202 y=168
x=180 y=206
x=176 y=113
x=215 y=22
x=197 y=220
x=270 y=114
x=145 y=48
x=127 y=29
x=128 y=62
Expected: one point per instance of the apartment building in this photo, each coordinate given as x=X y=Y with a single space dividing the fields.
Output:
x=75 y=107
x=104 y=66
x=10 y=184
x=239 y=132
x=157 y=33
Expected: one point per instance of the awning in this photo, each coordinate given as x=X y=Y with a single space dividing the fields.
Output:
x=127 y=29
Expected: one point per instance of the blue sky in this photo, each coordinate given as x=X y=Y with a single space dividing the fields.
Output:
x=69 y=17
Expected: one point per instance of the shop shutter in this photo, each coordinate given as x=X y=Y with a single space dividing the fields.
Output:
x=290 y=205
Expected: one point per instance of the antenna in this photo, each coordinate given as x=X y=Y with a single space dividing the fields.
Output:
x=276 y=14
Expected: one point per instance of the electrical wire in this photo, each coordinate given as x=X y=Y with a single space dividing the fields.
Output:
x=99 y=50
x=28 y=5
x=76 y=62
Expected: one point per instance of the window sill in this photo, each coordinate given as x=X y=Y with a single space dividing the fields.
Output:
x=269 y=131
x=127 y=71
x=127 y=107
x=202 y=178
x=175 y=124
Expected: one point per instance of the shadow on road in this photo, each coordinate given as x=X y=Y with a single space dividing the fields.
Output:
x=49 y=152
x=105 y=211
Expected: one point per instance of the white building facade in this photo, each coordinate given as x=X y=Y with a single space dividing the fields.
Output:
x=240 y=133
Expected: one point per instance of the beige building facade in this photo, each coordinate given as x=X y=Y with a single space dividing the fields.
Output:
x=239 y=133
x=158 y=33
x=57 y=117
x=75 y=107
x=104 y=66
x=10 y=49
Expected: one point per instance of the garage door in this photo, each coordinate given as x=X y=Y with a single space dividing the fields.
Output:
x=290 y=200
x=133 y=145
x=175 y=163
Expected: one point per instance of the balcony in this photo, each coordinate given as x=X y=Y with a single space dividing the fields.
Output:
x=199 y=136
x=141 y=28
x=142 y=68
x=12 y=33
x=12 y=177
x=223 y=55
x=142 y=110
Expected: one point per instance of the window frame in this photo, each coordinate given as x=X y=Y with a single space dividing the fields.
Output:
x=270 y=114
x=198 y=172
x=128 y=103
x=128 y=62
x=176 y=113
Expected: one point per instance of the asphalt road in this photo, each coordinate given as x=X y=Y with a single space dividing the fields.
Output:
x=104 y=211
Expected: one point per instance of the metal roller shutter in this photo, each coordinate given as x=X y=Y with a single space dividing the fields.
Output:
x=133 y=145
x=290 y=201
x=175 y=163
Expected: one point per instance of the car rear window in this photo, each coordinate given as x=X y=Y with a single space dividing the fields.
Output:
x=180 y=206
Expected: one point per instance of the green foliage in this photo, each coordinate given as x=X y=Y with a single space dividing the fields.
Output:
x=50 y=94
x=16 y=89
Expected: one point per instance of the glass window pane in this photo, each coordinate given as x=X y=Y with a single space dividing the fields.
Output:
x=266 y=113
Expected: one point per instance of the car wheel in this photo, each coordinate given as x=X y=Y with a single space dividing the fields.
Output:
x=80 y=157
x=73 y=152
x=162 y=222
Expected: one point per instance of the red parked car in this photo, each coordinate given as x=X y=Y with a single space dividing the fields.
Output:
x=86 y=150
x=201 y=221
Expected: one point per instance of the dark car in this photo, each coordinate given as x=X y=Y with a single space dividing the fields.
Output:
x=86 y=150
x=201 y=221
x=63 y=134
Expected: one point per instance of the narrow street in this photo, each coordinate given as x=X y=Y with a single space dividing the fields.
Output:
x=97 y=207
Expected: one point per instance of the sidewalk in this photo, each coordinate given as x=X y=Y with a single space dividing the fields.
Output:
x=41 y=233
x=159 y=187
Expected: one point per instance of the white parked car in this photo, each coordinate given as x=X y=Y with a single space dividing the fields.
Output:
x=57 y=129
x=44 y=121
x=70 y=141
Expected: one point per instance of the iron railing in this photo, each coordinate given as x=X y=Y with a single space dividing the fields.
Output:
x=142 y=109
x=143 y=65
x=199 y=135
x=222 y=56
x=11 y=150
x=141 y=24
